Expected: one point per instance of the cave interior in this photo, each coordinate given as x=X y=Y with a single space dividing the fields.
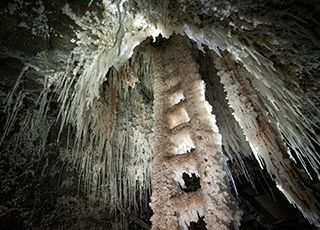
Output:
x=146 y=114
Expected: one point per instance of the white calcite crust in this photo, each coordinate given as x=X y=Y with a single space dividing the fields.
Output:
x=174 y=209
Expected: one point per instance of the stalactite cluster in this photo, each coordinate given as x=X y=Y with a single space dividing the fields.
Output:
x=265 y=139
x=106 y=119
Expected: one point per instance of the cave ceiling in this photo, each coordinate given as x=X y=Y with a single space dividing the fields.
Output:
x=76 y=100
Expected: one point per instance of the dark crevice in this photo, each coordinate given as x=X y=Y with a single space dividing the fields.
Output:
x=192 y=183
x=200 y=224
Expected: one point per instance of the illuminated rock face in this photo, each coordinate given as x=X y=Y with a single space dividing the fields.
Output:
x=265 y=139
x=186 y=140
x=64 y=55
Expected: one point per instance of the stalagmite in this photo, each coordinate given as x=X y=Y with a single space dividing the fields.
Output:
x=265 y=139
x=186 y=140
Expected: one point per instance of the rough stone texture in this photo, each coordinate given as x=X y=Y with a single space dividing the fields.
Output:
x=177 y=77
x=41 y=191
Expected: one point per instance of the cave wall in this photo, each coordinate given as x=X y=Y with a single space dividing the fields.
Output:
x=39 y=177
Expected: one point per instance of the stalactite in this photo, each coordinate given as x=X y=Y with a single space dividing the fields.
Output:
x=275 y=96
x=112 y=147
x=114 y=168
x=233 y=141
x=13 y=105
x=265 y=139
